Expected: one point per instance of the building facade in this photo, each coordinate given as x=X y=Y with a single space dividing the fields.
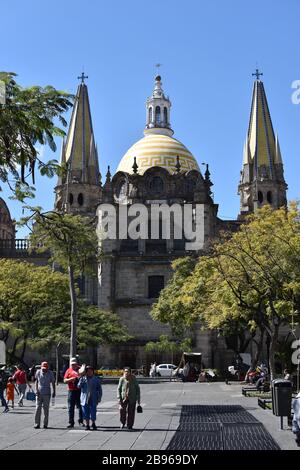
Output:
x=158 y=170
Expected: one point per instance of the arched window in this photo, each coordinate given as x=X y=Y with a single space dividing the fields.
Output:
x=80 y=199
x=260 y=197
x=71 y=198
x=165 y=115
x=150 y=115
x=157 y=115
x=156 y=185
x=121 y=189
x=269 y=197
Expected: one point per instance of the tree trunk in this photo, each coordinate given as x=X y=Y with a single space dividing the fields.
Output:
x=259 y=347
x=24 y=349
x=73 y=338
x=13 y=351
x=273 y=342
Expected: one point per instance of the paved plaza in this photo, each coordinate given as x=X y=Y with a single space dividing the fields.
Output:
x=175 y=416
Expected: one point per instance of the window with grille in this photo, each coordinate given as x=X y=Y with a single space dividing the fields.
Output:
x=155 y=285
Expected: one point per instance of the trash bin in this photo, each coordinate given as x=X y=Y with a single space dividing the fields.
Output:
x=282 y=397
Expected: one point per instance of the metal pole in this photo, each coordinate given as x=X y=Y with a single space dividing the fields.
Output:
x=57 y=362
x=298 y=372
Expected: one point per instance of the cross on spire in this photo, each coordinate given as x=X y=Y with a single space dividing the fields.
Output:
x=157 y=66
x=257 y=74
x=82 y=77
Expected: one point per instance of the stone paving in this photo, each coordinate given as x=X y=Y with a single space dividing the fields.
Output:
x=163 y=404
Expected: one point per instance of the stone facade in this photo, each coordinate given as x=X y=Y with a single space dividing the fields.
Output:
x=129 y=266
x=157 y=170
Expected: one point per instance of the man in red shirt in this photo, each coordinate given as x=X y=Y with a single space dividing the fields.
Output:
x=71 y=378
x=21 y=382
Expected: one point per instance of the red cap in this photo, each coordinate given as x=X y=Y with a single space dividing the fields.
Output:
x=44 y=365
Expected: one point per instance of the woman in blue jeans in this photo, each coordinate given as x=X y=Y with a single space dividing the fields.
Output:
x=91 y=394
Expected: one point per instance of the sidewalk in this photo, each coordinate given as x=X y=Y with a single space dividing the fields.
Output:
x=154 y=428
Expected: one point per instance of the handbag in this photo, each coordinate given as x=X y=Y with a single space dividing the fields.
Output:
x=30 y=395
x=139 y=409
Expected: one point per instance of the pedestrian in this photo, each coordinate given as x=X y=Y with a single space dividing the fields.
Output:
x=20 y=378
x=296 y=419
x=186 y=371
x=128 y=395
x=3 y=382
x=32 y=372
x=10 y=392
x=153 y=370
x=44 y=378
x=71 y=378
x=90 y=396
x=287 y=375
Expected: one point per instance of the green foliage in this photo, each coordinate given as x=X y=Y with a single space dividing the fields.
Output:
x=249 y=281
x=170 y=307
x=95 y=327
x=26 y=290
x=27 y=119
x=166 y=345
x=35 y=311
x=73 y=244
x=71 y=239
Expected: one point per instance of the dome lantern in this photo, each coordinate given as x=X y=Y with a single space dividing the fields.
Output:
x=158 y=111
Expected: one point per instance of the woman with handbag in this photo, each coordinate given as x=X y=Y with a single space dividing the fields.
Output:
x=128 y=394
x=91 y=394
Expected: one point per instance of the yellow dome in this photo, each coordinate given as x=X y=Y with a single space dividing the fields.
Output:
x=157 y=150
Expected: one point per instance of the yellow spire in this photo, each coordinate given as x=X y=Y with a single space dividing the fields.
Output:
x=262 y=179
x=261 y=138
x=246 y=156
x=80 y=149
x=278 y=158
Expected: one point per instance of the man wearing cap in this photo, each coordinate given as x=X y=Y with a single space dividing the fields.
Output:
x=71 y=378
x=44 y=378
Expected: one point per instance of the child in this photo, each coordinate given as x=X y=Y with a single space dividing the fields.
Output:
x=10 y=392
x=296 y=419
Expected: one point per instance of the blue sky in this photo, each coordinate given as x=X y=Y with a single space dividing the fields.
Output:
x=208 y=51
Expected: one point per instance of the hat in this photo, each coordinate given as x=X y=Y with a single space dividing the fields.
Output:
x=73 y=361
x=44 y=365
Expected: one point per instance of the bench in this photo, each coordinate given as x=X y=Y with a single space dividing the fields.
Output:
x=262 y=402
x=247 y=390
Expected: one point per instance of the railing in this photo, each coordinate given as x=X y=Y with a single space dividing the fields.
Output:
x=18 y=247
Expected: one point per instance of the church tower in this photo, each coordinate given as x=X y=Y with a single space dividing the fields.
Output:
x=262 y=179
x=79 y=190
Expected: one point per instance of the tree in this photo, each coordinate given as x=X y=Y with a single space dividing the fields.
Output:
x=170 y=307
x=27 y=290
x=250 y=279
x=73 y=243
x=34 y=311
x=165 y=345
x=260 y=268
x=28 y=118
x=95 y=327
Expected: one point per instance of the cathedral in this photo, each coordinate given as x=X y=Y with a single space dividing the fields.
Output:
x=159 y=169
